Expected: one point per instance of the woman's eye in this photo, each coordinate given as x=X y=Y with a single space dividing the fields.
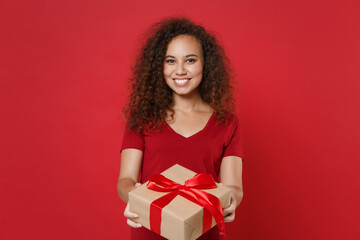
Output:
x=170 y=60
x=191 y=60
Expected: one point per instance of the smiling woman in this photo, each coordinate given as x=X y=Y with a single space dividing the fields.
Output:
x=181 y=112
x=183 y=67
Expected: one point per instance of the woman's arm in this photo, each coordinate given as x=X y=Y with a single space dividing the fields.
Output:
x=129 y=171
x=231 y=176
x=128 y=180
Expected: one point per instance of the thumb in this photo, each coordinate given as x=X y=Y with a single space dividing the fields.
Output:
x=137 y=184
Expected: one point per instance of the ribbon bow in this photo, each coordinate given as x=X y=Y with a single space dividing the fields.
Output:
x=190 y=190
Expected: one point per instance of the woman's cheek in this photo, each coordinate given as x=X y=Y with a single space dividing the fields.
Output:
x=166 y=72
x=197 y=70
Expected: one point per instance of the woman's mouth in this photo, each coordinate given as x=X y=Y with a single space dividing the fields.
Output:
x=181 y=82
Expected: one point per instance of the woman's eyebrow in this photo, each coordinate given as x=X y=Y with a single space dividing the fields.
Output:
x=189 y=55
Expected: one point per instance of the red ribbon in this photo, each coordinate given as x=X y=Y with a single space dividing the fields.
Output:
x=190 y=190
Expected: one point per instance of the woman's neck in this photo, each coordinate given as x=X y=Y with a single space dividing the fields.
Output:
x=189 y=103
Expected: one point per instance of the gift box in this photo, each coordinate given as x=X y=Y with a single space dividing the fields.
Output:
x=180 y=204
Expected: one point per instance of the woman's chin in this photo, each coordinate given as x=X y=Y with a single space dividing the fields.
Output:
x=185 y=92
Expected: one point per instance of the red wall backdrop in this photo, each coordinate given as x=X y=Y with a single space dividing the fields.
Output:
x=63 y=72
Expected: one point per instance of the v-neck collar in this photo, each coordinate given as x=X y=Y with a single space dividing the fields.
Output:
x=195 y=134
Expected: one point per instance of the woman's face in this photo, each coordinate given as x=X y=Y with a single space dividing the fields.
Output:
x=183 y=65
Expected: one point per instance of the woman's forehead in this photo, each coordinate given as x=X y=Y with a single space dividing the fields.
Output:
x=184 y=45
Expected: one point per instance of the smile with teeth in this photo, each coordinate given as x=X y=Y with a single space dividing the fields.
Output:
x=181 y=82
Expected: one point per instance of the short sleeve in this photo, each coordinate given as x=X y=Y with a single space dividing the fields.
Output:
x=132 y=139
x=235 y=145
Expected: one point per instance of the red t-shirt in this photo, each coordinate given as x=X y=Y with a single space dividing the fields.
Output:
x=201 y=152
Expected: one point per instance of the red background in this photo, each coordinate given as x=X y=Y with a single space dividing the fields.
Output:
x=64 y=67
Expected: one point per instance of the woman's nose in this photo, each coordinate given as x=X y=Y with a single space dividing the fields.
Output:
x=180 y=69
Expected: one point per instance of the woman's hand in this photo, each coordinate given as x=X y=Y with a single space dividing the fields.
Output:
x=229 y=212
x=131 y=217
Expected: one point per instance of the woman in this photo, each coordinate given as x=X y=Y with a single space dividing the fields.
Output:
x=180 y=111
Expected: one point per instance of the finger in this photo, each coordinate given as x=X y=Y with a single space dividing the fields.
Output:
x=229 y=218
x=133 y=224
x=137 y=184
x=129 y=214
x=229 y=210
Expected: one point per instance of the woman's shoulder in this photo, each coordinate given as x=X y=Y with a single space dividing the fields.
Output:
x=146 y=128
x=229 y=121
